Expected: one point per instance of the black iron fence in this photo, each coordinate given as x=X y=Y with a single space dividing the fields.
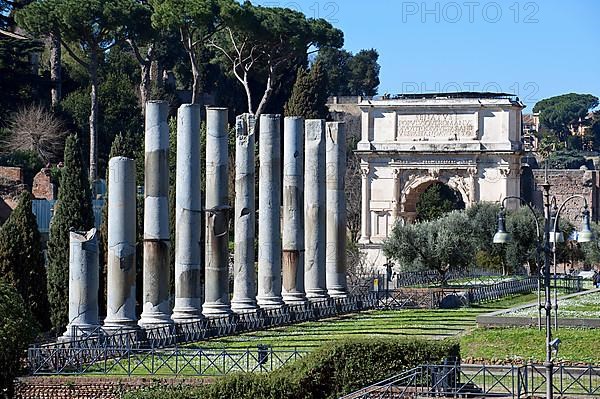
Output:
x=485 y=293
x=455 y=380
x=100 y=345
x=162 y=362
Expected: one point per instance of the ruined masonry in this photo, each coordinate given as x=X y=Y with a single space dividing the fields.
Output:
x=301 y=223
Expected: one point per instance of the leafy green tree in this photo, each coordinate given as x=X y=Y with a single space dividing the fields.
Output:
x=197 y=21
x=566 y=159
x=348 y=74
x=18 y=329
x=557 y=113
x=437 y=200
x=364 y=73
x=121 y=113
x=309 y=95
x=73 y=210
x=258 y=42
x=88 y=29
x=18 y=85
x=442 y=245
x=335 y=63
x=22 y=261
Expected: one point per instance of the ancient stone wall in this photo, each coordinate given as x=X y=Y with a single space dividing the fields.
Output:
x=90 y=388
x=11 y=174
x=345 y=109
x=568 y=182
x=43 y=187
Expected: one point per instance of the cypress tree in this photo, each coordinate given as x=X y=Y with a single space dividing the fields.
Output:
x=309 y=94
x=22 y=261
x=73 y=211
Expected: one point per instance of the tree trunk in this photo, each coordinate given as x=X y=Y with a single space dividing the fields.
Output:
x=93 y=70
x=248 y=94
x=145 y=84
x=267 y=94
x=55 y=69
x=196 y=77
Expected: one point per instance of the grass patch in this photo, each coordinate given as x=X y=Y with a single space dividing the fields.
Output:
x=434 y=323
x=519 y=344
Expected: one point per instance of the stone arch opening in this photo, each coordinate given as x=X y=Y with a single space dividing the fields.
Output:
x=432 y=199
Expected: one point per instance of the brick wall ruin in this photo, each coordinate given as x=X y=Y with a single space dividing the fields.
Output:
x=56 y=387
x=568 y=182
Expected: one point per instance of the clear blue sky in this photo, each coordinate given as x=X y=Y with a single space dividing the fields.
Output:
x=535 y=49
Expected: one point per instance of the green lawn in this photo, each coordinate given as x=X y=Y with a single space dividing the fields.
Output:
x=483 y=345
x=436 y=323
x=517 y=344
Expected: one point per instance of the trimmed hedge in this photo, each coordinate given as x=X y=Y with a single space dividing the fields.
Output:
x=329 y=372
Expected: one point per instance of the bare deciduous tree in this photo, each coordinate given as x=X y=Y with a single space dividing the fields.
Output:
x=35 y=129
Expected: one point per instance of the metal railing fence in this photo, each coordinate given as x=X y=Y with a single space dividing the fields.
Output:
x=52 y=357
x=161 y=362
x=455 y=380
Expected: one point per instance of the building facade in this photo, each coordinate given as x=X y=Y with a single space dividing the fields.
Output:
x=470 y=142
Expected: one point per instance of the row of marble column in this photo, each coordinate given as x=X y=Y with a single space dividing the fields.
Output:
x=301 y=222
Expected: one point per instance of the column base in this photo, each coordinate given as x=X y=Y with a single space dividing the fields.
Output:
x=181 y=316
x=74 y=331
x=187 y=310
x=295 y=298
x=243 y=306
x=364 y=240
x=120 y=325
x=270 y=302
x=317 y=295
x=337 y=292
x=216 y=309
x=154 y=319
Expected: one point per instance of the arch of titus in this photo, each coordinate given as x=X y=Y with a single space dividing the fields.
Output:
x=472 y=143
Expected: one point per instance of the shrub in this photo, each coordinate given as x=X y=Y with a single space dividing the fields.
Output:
x=22 y=261
x=17 y=331
x=329 y=372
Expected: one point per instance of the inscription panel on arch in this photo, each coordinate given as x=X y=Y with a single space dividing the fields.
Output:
x=436 y=126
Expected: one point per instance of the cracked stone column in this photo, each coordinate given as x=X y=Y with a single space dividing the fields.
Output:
x=314 y=210
x=120 y=309
x=188 y=217
x=293 y=211
x=244 y=284
x=335 y=264
x=157 y=309
x=269 y=216
x=83 y=283
x=216 y=280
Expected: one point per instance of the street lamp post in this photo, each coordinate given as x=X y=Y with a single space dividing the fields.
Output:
x=550 y=235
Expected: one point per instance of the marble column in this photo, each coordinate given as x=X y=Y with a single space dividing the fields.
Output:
x=244 y=284
x=365 y=220
x=314 y=210
x=269 y=212
x=293 y=211
x=216 y=274
x=120 y=309
x=188 y=217
x=83 y=284
x=335 y=263
x=156 y=306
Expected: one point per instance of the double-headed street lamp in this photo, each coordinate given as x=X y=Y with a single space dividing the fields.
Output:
x=551 y=235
